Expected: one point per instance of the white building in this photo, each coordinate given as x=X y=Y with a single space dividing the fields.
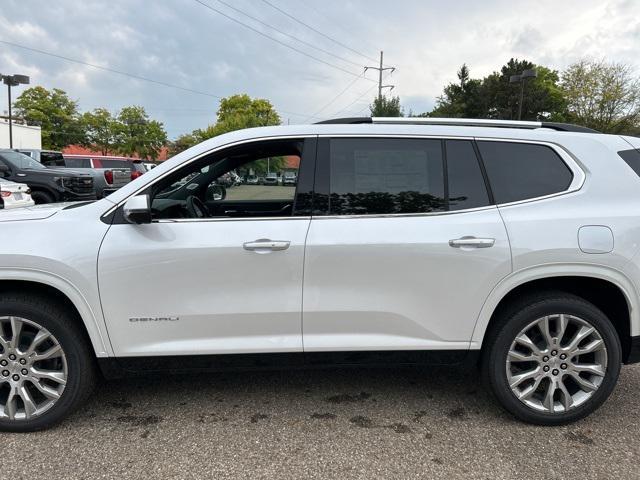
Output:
x=24 y=136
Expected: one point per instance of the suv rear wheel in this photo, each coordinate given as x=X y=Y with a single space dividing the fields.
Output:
x=552 y=359
x=46 y=368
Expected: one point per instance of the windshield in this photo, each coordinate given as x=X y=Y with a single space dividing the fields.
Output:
x=21 y=161
x=272 y=175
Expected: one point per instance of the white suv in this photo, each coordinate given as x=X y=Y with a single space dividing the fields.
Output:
x=513 y=245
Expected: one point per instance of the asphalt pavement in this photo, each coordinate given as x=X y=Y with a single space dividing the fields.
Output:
x=348 y=423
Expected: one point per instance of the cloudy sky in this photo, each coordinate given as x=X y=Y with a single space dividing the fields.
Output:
x=186 y=44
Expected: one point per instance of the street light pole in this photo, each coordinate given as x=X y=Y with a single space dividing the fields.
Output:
x=13 y=81
x=521 y=78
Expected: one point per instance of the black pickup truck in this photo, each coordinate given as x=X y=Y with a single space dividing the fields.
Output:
x=47 y=185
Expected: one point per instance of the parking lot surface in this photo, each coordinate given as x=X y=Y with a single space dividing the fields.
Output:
x=349 y=423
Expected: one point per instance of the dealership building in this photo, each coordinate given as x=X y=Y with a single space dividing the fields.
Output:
x=24 y=136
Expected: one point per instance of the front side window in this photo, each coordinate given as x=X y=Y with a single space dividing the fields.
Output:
x=21 y=161
x=520 y=171
x=385 y=176
x=242 y=182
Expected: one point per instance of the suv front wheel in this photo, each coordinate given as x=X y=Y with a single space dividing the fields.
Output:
x=46 y=368
x=552 y=359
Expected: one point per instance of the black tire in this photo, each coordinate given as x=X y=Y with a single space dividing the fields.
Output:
x=519 y=315
x=81 y=369
x=40 y=197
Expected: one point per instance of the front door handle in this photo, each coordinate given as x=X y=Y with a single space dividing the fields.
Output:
x=472 y=242
x=264 y=245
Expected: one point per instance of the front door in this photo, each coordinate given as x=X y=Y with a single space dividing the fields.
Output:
x=214 y=272
x=404 y=248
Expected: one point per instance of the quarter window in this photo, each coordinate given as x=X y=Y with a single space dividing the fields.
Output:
x=632 y=158
x=519 y=171
x=385 y=176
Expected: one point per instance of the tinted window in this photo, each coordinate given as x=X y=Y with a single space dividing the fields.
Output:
x=466 y=183
x=77 y=162
x=632 y=157
x=380 y=176
x=112 y=163
x=52 y=159
x=518 y=171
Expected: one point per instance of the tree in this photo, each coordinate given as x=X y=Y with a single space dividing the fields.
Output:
x=386 y=107
x=495 y=97
x=604 y=96
x=56 y=114
x=101 y=130
x=463 y=99
x=234 y=113
x=542 y=98
x=137 y=134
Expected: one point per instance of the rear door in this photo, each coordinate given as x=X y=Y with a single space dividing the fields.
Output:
x=404 y=247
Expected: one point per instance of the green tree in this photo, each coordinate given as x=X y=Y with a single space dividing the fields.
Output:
x=601 y=95
x=463 y=99
x=234 y=113
x=101 y=130
x=56 y=114
x=137 y=134
x=543 y=99
x=386 y=107
x=495 y=97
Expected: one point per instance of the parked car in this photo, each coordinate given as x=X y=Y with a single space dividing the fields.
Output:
x=47 y=184
x=105 y=180
x=14 y=195
x=149 y=165
x=289 y=178
x=136 y=167
x=271 y=179
x=518 y=254
x=252 y=180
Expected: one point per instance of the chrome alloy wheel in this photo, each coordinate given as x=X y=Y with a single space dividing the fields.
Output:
x=33 y=369
x=556 y=363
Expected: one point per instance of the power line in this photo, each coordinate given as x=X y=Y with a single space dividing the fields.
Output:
x=275 y=39
x=355 y=101
x=112 y=70
x=131 y=75
x=351 y=84
x=304 y=42
x=337 y=42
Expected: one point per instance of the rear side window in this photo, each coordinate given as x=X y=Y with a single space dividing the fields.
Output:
x=77 y=162
x=632 y=157
x=52 y=159
x=112 y=163
x=519 y=171
x=466 y=183
x=385 y=176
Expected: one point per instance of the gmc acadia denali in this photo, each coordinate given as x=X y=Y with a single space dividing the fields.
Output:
x=511 y=245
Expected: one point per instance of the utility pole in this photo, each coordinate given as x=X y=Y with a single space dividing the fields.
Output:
x=13 y=81
x=381 y=69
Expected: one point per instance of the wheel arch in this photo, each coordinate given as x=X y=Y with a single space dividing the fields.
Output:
x=60 y=290
x=608 y=289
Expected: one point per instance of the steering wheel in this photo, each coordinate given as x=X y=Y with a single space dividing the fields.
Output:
x=197 y=208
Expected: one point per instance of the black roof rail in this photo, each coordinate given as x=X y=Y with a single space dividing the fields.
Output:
x=568 y=127
x=346 y=121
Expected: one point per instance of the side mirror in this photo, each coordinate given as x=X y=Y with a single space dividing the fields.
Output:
x=137 y=210
x=4 y=170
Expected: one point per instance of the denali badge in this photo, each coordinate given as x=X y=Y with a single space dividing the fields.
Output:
x=154 y=319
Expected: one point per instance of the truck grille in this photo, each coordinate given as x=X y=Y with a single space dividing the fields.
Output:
x=80 y=185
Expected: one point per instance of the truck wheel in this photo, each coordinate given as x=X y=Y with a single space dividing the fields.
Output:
x=46 y=364
x=552 y=359
x=42 y=197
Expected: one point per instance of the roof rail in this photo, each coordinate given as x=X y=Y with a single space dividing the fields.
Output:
x=467 y=122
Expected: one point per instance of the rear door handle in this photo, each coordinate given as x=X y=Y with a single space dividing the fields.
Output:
x=264 y=245
x=472 y=242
